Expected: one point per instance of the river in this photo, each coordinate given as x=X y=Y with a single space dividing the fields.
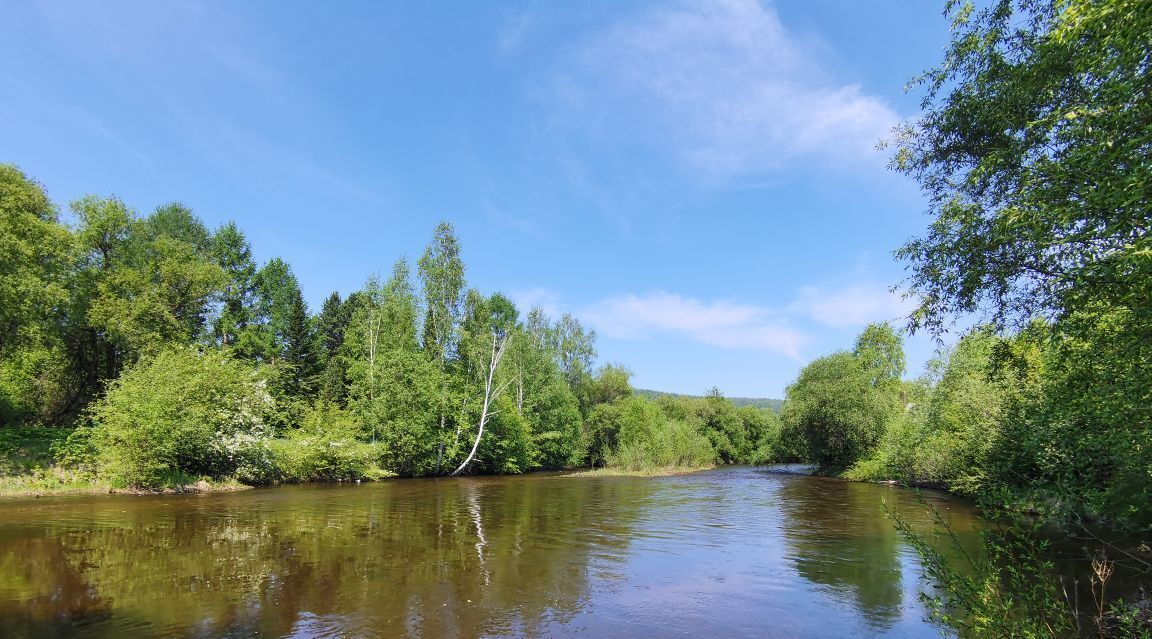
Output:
x=733 y=552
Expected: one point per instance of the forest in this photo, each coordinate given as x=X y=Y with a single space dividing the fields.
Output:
x=147 y=351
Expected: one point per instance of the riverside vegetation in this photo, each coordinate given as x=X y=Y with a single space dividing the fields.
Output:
x=1035 y=155
x=148 y=352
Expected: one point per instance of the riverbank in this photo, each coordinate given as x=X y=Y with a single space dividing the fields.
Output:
x=47 y=482
x=53 y=482
x=665 y=471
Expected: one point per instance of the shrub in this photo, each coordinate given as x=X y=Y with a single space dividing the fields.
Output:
x=665 y=444
x=633 y=433
x=183 y=412
x=326 y=448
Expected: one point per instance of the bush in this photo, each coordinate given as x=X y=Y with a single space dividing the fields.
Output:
x=326 y=448
x=763 y=428
x=838 y=412
x=664 y=444
x=633 y=433
x=183 y=413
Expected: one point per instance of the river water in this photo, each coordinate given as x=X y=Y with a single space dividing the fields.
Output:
x=734 y=552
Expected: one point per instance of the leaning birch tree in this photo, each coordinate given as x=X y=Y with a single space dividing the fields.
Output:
x=492 y=392
x=491 y=322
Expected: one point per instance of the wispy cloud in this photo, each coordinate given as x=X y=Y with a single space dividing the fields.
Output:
x=784 y=330
x=852 y=305
x=718 y=323
x=723 y=87
x=546 y=299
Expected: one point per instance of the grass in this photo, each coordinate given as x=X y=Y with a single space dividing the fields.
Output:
x=26 y=450
x=58 y=481
x=28 y=469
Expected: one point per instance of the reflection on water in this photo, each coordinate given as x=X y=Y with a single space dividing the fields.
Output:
x=839 y=537
x=732 y=552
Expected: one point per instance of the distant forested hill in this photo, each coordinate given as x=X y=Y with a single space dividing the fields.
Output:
x=759 y=402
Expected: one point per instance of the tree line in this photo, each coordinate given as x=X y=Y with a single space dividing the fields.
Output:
x=153 y=350
x=1035 y=158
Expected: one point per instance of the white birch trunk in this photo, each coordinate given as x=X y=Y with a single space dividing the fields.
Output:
x=490 y=395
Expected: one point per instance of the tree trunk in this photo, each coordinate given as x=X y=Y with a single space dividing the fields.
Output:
x=490 y=395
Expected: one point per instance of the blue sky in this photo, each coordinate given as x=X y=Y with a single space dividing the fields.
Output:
x=698 y=180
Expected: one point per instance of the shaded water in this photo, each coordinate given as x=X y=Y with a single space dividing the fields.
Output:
x=731 y=552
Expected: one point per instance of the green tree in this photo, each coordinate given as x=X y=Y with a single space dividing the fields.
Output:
x=139 y=289
x=300 y=360
x=441 y=273
x=612 y=382
x=488 y=327
x=881 y=352
x=34 y=258
x=331 y=324
x=541 y=395
x=964 y=419
x=36 y=253
x=575 y=350
x=179 y=223
x=394 y=387
x=231 y=250
x=364 y=342
x=723 y=426
x=762 y=426
x=1033 y=150
x=554 y=416
x=834 y=408
x=281 y=335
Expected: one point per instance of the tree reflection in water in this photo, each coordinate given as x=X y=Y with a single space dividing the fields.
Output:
x=732 y=552
x=437 y=558
x=839 y=538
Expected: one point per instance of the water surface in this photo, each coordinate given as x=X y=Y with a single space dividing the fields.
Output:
x=735 y=552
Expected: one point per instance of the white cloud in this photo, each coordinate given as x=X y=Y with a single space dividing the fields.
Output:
x=785 y=330
x=852 y=305
x=719 y=323
x=723 y=87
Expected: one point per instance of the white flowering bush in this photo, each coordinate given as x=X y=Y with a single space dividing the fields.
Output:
x=249 y=455
x=184 y=413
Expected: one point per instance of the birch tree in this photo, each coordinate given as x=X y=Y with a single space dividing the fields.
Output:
x=363 y=343
x=441 y=272
x=490 y=322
